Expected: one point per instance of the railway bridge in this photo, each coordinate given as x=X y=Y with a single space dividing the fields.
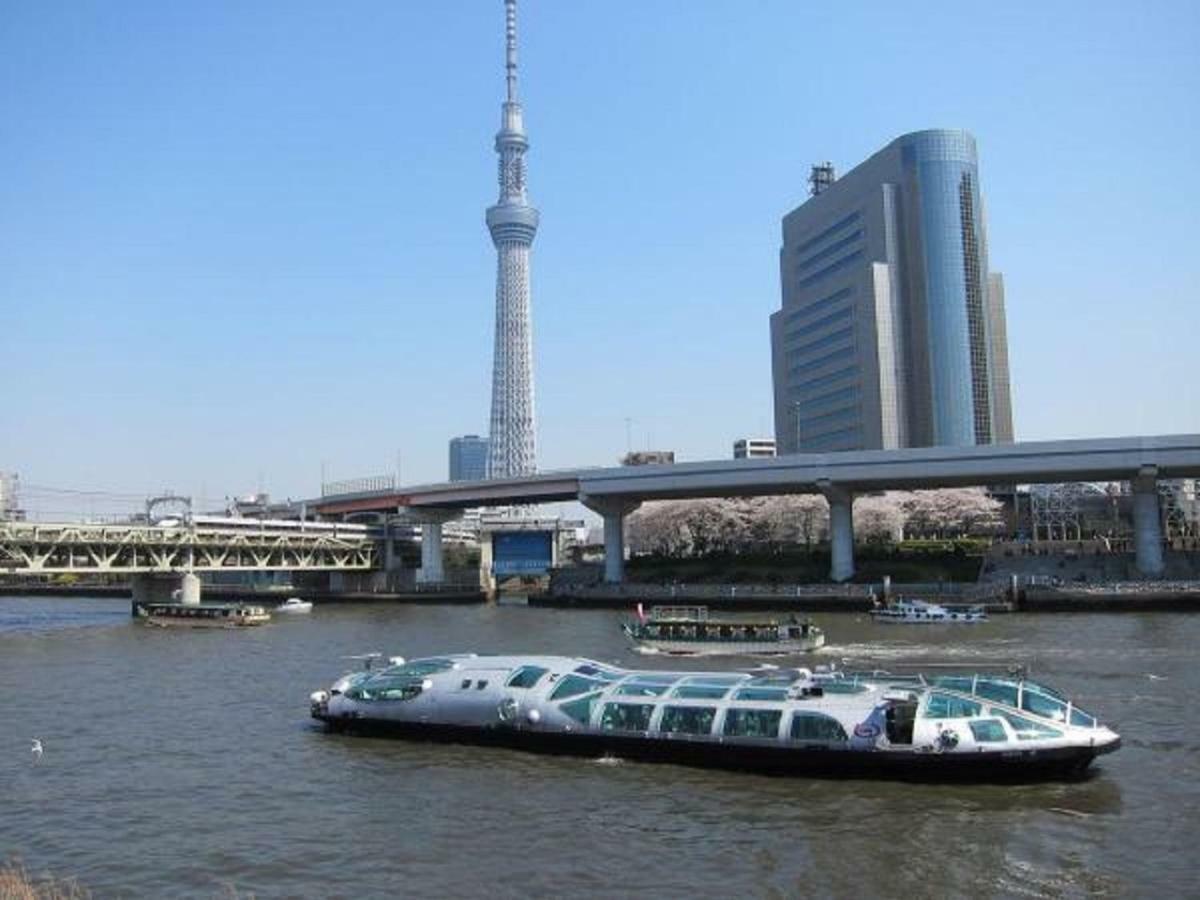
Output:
x=161 y=559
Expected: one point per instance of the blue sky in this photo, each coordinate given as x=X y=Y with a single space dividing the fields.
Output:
x=242 y=241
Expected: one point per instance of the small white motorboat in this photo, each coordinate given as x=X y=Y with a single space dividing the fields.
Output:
x=294 y=605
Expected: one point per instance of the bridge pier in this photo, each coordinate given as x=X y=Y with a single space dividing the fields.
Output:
x=1147 y=523
x=432 y=569
x=613 y=510
x=841 y=530
x=165 y=588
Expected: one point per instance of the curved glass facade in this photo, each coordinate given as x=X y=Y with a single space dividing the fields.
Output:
x=944 y=174
x=891 y=329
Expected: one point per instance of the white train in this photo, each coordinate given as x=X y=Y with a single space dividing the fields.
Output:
x=236 y=523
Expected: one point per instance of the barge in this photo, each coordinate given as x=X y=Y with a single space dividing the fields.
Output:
x=777 y=721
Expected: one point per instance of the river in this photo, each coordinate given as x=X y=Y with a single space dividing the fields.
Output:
x=183 y=763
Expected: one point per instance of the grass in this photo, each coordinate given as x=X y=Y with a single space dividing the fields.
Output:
x=17 y=884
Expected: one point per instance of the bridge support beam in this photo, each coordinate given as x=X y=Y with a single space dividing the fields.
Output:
x=613 y=510
x=841 y=530
x=432 y=569
x=1147 y=523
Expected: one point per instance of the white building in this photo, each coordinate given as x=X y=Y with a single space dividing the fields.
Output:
x=754 y=448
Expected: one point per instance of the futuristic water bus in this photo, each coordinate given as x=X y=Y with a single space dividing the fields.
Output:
x=970 y=727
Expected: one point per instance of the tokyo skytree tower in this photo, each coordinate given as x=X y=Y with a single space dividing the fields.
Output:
x=513 y=223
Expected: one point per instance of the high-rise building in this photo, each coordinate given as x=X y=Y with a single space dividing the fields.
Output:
x=468 y=458
x=891 y=332
x=753 y=448
x=513 y=223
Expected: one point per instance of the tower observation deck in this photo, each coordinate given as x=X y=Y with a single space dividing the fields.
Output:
x=513 y=223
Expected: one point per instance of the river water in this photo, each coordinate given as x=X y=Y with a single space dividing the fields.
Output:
x=183 y=763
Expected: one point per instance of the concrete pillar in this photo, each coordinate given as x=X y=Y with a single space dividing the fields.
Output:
x=432 y=570
x=613 y=510
x=841 y=530
x=1147 y=523
x=487 y=580
x=189 y=589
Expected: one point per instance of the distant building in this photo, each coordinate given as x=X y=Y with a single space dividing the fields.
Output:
x=648 y=458
x=753 y=448
x=10 y=501
x=891 y=333
x=468 y=458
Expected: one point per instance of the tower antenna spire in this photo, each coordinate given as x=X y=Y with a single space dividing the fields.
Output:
x=510 y=48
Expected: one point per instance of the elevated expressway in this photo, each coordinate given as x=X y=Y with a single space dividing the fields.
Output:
x=615 y=492
x=154 y=556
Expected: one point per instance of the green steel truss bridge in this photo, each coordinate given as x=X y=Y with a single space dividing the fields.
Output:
x=28 y=548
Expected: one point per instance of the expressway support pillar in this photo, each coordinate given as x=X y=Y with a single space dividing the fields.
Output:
x=1147 y=523
x=432 y=570
x=841 y=530
x=613 y=510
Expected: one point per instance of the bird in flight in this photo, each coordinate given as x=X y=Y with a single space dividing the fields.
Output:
x=36 y=749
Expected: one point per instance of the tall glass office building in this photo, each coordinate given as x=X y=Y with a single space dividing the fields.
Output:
x=891 y=332
x=468 y=458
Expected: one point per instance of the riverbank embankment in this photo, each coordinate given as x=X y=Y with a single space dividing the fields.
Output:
x=219 y=593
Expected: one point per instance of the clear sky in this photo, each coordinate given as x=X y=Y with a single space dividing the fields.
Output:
x=242 y=242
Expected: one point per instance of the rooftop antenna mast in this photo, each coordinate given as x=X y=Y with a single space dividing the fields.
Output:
x=822 y=177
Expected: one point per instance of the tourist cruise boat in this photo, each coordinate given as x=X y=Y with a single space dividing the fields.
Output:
x=201 y=615
x=971 y=727
x=919 y=612
x=688 y=631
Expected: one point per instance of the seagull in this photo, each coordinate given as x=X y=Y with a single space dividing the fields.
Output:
x=36 y=749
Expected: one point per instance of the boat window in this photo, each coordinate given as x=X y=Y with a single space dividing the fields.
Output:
x=843 y=687
x=573 y=685
x=526 y=676
x=581 y=709
x=383 y=687
x=481 y=684
x=466 y=683
x=1041 y=688
x=760 y=693
x=756 y=723
x=817 y=727
x=1079 y=717
x=997 y=689
x=700 y=691
x=598 y=672
x=626 y=716
x=687 y=719
x=943 y=706
x=642 y=689
x=647 y=685
x=1026 y=729
x=1043 y=705
x=419 y=668
x=953 y=683
x=988 y=731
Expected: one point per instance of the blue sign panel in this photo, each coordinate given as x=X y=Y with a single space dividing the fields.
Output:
x=522 y=552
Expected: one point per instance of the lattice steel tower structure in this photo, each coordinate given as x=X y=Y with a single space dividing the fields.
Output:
x=513 y=223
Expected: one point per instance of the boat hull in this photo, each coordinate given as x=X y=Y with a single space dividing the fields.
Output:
x=1057 y=764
